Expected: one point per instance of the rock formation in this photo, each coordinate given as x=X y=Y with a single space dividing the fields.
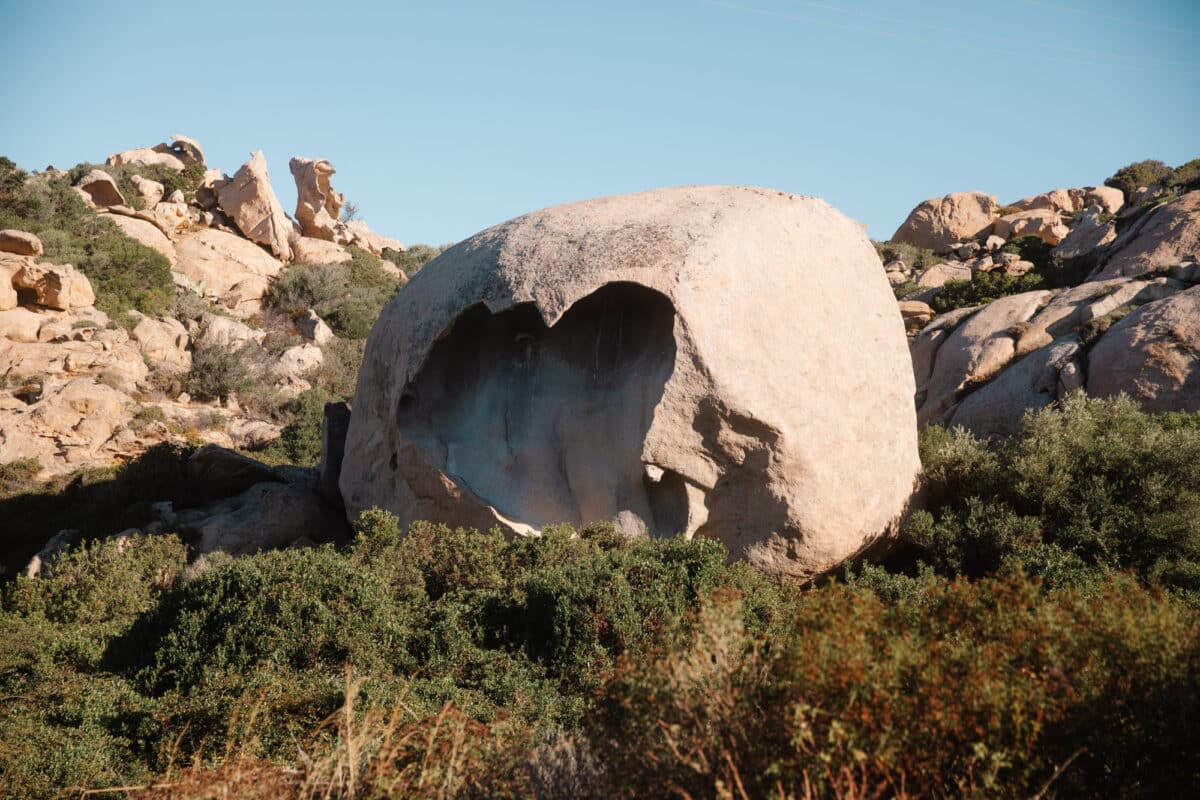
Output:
x=250 y=202
x=318 y=206
x=939 y=222
x=642 y=359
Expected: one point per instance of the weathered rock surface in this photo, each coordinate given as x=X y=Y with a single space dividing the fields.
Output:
x=1032 y=383
x=1165 y=236
x=150 y=191
x=147 y=233
x=975 y=351
x=1089 y=234
x=367 y=239
x=307 y=250
x=939 y=222
x=1151 y=355
x=146 y=156
x=20 y=243
x=233 y=271
x=1042 y=222
x=641 y=358
x=250 y=202
x=100 y=187
x=318 y=206
x=164 y=341
x=55 y=286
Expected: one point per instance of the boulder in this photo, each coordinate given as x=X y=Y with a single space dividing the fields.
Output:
x=915 y=314
x=146 y=157
x=1107 y=198
x=100 y=187
x=164 y=341
x=1059 y=201
x=148 y=234
x=939 y=222
x=318 y=206
x=644 y=358
x=250 y=202
x=1088 y=234
x=20 y=325
x=296 y=362
x=151 y=191
x=1162 y=237
x=8 y=292
x=939 y=274
x=977 y=350
x=367 y=239
x=313 y=328
x=20 y=243
x=55 y=286
x=218 y=331
x=188 y=151
x=1042 y=222
x=228 y=268
x=1034 y=382
x=307 y=250
x=1151 y=356
x=217 y=470
x=924 y=346
x=265 y=516
x=334 y=424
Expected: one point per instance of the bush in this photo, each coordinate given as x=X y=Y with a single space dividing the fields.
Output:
x=217 y=372
x=1095 y=482
x=1131 y=177
x=967 y=690
x=300 y=440
x=349 y=297
x=411 y=260
x=17 y=477
x=124 y=273
x=1186 y=177
x=914 y=257
x=984 y=287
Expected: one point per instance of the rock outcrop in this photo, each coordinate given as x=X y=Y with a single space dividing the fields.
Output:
x=939 y=222
x=250 y=202
x=318 y=206
x=641 y=359
x=1166 y=235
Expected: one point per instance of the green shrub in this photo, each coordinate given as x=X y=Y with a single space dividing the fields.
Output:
x=17 y=477
x=1098 y=480
x=1131 y=177
x=349 y=297
x=124 y=273
x=411 y=260
x=217 y=372
x=300 y=440
x=984 y=287
x=914 y=257
x=1186 y=177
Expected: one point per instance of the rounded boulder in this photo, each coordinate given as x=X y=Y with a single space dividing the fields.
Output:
x=726 y=362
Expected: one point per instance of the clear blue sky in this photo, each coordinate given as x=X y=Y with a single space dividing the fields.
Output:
x=443 y=118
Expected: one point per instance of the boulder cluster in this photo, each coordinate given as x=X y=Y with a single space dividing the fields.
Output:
x=78 y=389
x=1120 y=319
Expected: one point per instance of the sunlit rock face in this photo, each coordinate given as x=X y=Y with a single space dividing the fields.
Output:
x=713 y=361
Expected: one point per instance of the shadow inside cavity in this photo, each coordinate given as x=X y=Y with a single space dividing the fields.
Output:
x=547 y=424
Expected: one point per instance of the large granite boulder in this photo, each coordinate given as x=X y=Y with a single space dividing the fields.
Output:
x=250 y=202
x=1163 y=237
x=941 y=221
x=1151 y=355
x=713 y=361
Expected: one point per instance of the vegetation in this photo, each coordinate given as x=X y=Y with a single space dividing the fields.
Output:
x=415 y=257
x=914 y=257
x=1131 y=177
x=124 y=273
x=984 y=287
x=349 y=297
x=1040 y=634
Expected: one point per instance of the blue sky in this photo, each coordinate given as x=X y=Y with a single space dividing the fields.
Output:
x=443 y=118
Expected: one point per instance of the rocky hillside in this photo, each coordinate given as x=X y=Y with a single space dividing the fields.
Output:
x=153 y=298
x=1009 y=308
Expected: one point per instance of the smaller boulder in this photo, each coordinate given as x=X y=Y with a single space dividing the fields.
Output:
x=60 y=287
x=313 y=328
x=150 y=191
x=1043 y=223
x=164 y=341
x=146 y=157
x=99 y=187
x=20 y=243
x=915 y=314
x=20 y=325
